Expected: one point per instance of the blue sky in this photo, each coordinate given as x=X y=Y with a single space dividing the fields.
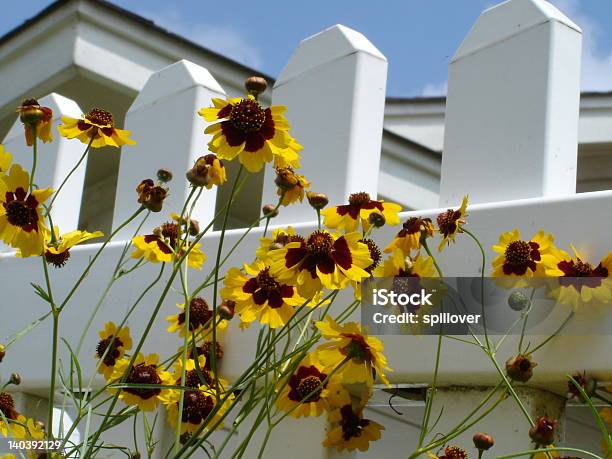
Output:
x=417 y=36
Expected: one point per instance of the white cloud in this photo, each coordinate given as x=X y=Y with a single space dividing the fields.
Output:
x=223 y=39
x=596 y=62
x=434 y=89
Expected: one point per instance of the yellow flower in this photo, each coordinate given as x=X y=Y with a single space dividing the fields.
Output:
x=16 y=421
x=551 y=455
x=259 y=295
x=521 y=258
x=400 y=265
x=35 y=430
x=409 y=237
x=117 y=342
x=57 y=253
x=247 y=130
x=146 y=370
x=309 y=390
x=353 y=354
x=449 y=223
x=200 y=316
x=98 y=125
x=33 y=115
x=5 y=160
x=290 y=185
x=280 y=237
x=164 y=246
x=21 y=219
x=207 y=171
x=578 y=282
x=198 y=403
x=359 y=208
x=351 y=431
x=322 y=260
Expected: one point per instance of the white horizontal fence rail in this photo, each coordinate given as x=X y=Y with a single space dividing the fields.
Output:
x=334 y=89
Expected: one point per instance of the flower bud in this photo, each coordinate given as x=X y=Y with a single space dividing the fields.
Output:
x=135 y=455
x=520 y=368
x=2 y=352
x=194 y=227
x=150 y=195
x=286 y=178
x=518 y=301
x=543 y=432
x=15 y=379
x=30 y=112
x=164 y=175
x=377 y=219
x=317 y=200
x=227 y=309
x=482 y=441
x=269 y=211
x=589 y=385
x=255 y=85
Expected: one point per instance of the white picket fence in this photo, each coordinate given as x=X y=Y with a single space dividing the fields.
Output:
x=510 y=143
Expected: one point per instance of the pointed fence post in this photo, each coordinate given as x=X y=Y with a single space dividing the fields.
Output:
x=170 y=135
x=334 y=89
x=54 y=162
x=512 y=106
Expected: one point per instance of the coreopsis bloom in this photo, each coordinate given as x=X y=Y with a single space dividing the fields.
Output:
x=36 y=121
x=200 y=317
x=14 y=424
x=111 y=347
x=57 y=252
x=205 y=350
x=450 y=452
x=280 y=238
x=449 y=223
x=195 y=376
x=163 y=246
x=544 y=430
x=96 y=127
x=247 y=130
x=520 y=257
x=589 y=385
x=260 y=295
x=351 y=431
x=398 y=265
x=359 y=208
x=5 y=160
x=207 y=171
x=291 y=186
x=410 y=236
x=21 y=219
x=309 y=390
x=578 y=282
x=376 y=257
x=322 y=260
x=198 y=404
x=146 y=370
x=354 y=354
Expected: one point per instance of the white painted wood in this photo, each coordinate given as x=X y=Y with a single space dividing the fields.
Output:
x=512 y=106
x=55 y=160
x=334 y=88
x=170 y=135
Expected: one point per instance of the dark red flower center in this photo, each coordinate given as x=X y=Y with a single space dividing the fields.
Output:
x=359 y=199
x=307 y=384
x=352 y=425
x=266 y=281
x=57 y=259
x=100 y=117
x=580 y=274
x=143 y=374
x=20 y=210
x=192 y=378
x=520 y=256
x=319 y=243
x=454 y=452
x=113 y=352
x=447 y=222
x=199 y=314
x=29 y=102
x=7 y=406
x=265 y=288
x=206 y=350
x=197 y=406
x=247 y=115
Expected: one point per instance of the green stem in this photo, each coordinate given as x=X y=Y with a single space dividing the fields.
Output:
x=34 y=156
x=482 y=283
x=533 y=452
